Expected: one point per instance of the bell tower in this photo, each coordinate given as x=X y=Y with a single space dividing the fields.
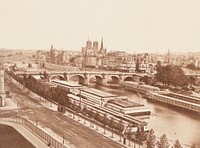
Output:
x=2 y=91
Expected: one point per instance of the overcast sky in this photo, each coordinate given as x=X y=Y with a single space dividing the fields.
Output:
x=129 y=25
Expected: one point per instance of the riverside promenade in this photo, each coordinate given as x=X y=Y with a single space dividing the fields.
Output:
x=89 y=126
x=98 y=129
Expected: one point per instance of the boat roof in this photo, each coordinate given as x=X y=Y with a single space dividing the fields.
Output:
x=98 y=92
x=67 y=83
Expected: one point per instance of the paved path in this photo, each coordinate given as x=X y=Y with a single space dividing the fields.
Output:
x=100 y=130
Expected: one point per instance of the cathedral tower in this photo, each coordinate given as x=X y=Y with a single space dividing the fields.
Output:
x=101 y=48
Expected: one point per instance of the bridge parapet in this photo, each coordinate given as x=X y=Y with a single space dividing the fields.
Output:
x=101 y=76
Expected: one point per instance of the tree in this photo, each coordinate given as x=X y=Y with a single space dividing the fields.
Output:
x=158 y=64
x=172 y=74
x=148 y=80
x=178 y=77
x=144 y=79
x=177 y=144
x=163 y=74
x=163 y=143
x=193 y=146
x=151 y=139
x=191 y=66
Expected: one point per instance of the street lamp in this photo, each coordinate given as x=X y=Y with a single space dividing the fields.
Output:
x=111 y=126
x=63 y=138
x=36 y=122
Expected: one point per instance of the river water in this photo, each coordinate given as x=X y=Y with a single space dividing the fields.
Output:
x=175 y=123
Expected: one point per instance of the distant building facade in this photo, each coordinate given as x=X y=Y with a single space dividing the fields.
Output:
x=92 y=55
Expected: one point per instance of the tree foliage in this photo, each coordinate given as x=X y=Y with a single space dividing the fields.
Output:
x=151 y=139
x=55 y=94
x=163 y=142
x=148 y=80
x=172 y=74
x=158 y=64
x=193 y=146
x=191 y=66
x=177 y=144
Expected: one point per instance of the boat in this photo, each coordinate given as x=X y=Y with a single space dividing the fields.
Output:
x=175 y=99
x=141 y=87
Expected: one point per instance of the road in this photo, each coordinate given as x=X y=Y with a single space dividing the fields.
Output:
x=76 y=134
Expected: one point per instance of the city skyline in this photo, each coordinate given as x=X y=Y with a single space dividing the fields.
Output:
x=134 y=26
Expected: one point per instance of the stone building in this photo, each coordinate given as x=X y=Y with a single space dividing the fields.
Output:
x=2 y=91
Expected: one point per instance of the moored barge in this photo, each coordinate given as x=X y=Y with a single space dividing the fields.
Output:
x=186 y=102
x=139 y=87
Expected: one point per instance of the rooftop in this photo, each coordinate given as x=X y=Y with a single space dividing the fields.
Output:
x=37 y=77
x=98 y=92
x=124 y=103
x=66 y=83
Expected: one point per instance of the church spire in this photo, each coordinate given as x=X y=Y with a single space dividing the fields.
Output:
x=168 y=52
x=168 y=56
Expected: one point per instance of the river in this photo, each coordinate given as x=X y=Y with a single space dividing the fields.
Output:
x=175 y=123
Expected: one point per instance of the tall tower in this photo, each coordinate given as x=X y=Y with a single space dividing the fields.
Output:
x=2 y=91
x=168 y=57
x=88 y=45
x=53 y=54
x=101 y=48
x=95 y=46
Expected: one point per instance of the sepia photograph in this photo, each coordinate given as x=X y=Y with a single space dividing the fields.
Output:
x=99 y=74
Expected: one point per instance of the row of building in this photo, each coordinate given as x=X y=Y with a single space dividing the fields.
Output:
x=94 y=56
x=114 y=60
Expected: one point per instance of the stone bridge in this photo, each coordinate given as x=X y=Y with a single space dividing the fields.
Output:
x=84 y=77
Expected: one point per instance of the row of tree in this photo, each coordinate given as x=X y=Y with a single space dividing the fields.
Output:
x=162 y=142
x=42 y=89
x=168 y=75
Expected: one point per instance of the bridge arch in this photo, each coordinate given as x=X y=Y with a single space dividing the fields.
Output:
x=128 y=78
x=56 y=77
x=81 y=78
x=113 y=79
x=98 y=79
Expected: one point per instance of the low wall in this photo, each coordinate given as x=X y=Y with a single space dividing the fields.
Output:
x=48 y=139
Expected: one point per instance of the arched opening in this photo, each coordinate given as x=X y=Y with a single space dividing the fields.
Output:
x=54 y=77
x=113 y=80
x=96 y=79
x=129 y=78
x=78 y=78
